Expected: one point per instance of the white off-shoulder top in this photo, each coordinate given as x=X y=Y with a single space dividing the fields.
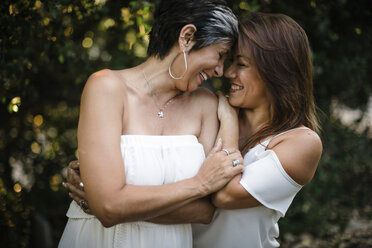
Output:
x=266 y=180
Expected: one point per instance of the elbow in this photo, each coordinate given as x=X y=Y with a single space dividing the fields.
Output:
x=221 y=199
x=208 y=217
x=106 y=215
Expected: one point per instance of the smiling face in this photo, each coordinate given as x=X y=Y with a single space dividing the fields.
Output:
x=247 y=88
x=203 y=64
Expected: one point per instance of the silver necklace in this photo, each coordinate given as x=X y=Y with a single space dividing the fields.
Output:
x=153 y=95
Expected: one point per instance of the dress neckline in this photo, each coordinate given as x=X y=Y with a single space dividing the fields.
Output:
x=156 y=136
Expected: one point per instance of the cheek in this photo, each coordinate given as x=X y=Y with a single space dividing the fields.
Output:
x=234 y=101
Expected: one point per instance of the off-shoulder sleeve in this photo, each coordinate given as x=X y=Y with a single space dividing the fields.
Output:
x=266 y=180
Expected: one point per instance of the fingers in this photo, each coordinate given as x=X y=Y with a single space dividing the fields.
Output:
x=77 y=195
x=74 y=164
x=217 y=147
x=72 y=171
x=229 y=151
x=221 y=96
x=74 y=190
x=237 y=170
x=73 y=177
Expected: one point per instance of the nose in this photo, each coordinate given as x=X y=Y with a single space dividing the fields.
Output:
x=218 y=71
x=230 y=73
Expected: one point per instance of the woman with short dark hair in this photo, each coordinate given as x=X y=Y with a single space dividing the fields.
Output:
x=144 y=131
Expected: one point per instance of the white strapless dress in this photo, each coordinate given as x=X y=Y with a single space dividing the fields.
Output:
x=149 y=160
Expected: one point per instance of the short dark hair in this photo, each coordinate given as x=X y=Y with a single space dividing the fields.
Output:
x=213 y=19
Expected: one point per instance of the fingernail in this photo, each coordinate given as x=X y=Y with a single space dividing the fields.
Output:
x=70 y=194
x=64 y=184
x=219 y=140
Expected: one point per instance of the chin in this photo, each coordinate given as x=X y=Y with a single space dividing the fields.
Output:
x=233 y=102
x=192 y=87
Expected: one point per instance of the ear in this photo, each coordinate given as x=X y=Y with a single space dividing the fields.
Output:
x=185 y=40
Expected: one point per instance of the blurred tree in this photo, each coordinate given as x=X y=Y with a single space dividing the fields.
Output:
x=48 y=50
x=50 y=47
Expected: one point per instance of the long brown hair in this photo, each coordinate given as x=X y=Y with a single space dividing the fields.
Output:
x=280 y=50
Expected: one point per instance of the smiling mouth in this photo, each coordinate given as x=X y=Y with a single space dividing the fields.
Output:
x=203 y=75
x=235 y=87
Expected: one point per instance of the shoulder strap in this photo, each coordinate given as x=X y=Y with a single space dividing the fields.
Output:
x=266 y=142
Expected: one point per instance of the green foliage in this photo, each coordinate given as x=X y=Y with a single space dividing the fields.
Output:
x=49 y=48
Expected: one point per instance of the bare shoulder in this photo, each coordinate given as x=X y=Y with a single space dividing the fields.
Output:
x=308 y=141
x=105 y=81
x=205 y=99
x=299 y=152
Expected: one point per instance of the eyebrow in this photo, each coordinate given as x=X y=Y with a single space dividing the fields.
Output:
x=244 y=57
x=241 y=56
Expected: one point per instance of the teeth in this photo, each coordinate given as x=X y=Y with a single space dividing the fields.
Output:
x=204 y=76
x=236 y=87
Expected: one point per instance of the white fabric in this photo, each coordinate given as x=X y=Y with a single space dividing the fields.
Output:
x=266 y=180
x=149 y=160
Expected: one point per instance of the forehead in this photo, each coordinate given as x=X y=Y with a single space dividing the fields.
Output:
x=222 y=46
x=242 y=52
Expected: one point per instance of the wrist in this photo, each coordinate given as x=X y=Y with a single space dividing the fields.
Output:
x=229 y=117
x=201 y=188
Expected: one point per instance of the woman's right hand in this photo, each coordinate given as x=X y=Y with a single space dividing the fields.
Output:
x=75 y=186
x=73 y=173
x=218 y=169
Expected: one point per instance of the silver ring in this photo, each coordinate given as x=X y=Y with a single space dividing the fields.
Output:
x=83 y=205
x=81 y=184
x=235 y=162
x=226 y=151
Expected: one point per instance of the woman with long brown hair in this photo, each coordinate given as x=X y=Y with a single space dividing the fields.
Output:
x=272 y=91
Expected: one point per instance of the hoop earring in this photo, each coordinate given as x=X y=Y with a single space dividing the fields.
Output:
x=170 y=65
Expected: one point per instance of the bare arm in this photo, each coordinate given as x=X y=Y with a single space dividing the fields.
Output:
x=300 y=166
x=233 y=192
x=229 y=123
x=109 y=197
x=201 y=210
x=198 y=211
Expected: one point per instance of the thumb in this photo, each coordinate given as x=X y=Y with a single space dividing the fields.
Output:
x=217 y=147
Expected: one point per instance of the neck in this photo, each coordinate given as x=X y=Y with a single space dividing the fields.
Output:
x=252 y=120
x=160 y=84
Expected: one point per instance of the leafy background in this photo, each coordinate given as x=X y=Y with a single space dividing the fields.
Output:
x=50 y=47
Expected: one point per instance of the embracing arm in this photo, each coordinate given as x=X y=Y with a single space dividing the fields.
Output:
x=229 y=122
x=102 y=168
x=233 y=192
x=300 y=166
x=201 y=210
x=198 y=211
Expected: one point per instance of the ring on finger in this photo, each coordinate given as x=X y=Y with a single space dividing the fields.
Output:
x=81 y=184
x=83 y=204
x=235 y=162
x=226 y=151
